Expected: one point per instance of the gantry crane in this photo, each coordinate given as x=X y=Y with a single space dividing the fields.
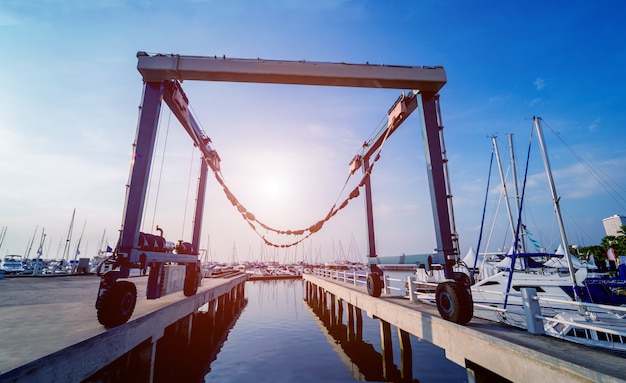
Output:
x=162 y=75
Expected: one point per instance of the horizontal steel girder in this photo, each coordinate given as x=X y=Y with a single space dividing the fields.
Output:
x=162 y=67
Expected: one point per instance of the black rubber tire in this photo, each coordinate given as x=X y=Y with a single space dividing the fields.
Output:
x=192 y=280
x=454 y=302
x=465 y=280
x=116 y=304
x=374 y=285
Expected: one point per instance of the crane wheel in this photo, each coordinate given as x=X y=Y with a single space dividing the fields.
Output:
x=374 y=285
x=116 y=304
x=192 y=280
x=454 y=302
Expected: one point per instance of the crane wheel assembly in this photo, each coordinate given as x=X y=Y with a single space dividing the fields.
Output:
x=374 y=285
x=454 y=302
x=116 y=303
x=193 y=277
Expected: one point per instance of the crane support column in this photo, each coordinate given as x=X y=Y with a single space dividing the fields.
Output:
x=452 y=297
x=197 y=221
x=369 y=213
x=437 y=182
x=142 y=159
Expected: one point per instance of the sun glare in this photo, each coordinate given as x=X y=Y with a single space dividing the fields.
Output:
x=273 y=188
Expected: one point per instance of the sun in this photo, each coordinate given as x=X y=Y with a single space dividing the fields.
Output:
x=273 y=187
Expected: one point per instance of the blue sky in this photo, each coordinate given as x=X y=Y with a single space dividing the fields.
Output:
x=71 y=93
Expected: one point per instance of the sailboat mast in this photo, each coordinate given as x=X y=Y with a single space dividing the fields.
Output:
x=66 y=250
x=557 y=209
x=3 y=234
x=101 y=242
x=30 y=244
x=41 y=242
x=39 y=262
x=80 y=239
x=516 y=187
x=504 y=190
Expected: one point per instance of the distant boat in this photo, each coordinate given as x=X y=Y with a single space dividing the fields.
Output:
x=261 y=272
x=12 y=265
x=60 y=266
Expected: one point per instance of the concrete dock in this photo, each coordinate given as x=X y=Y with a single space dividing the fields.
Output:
x=510 y=353
x=50 y=323
x=50 y=332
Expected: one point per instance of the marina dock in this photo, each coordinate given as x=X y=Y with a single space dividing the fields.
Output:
x=50 y=330
x=488 y=350
x=50 y=333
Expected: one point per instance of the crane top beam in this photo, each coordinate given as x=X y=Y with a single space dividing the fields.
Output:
x=161 y=67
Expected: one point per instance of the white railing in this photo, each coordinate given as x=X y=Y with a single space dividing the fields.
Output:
x=586 y=305
x=387 y=283
x=412 y=288
x=346 y=276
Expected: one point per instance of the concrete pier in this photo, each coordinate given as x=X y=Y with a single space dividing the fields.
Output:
x=490 y=352
x=50 y=331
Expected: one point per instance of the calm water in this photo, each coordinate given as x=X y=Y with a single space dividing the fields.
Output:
x=278 y=338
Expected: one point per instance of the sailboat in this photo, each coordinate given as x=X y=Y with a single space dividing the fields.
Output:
x=577 y=307
x=61 y=266
x=560 y=277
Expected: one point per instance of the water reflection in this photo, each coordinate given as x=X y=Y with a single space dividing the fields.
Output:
x=359 y=356
x=279 y=337
x=177 y=362
x=186 y=350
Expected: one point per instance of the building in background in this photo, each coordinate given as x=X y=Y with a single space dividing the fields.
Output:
x=613 y=224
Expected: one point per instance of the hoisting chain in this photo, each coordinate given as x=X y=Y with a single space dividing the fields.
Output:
x=212 y=161
x=251 y=219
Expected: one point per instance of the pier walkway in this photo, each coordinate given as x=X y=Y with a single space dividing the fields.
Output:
x=50 y=331
x=509 y=353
